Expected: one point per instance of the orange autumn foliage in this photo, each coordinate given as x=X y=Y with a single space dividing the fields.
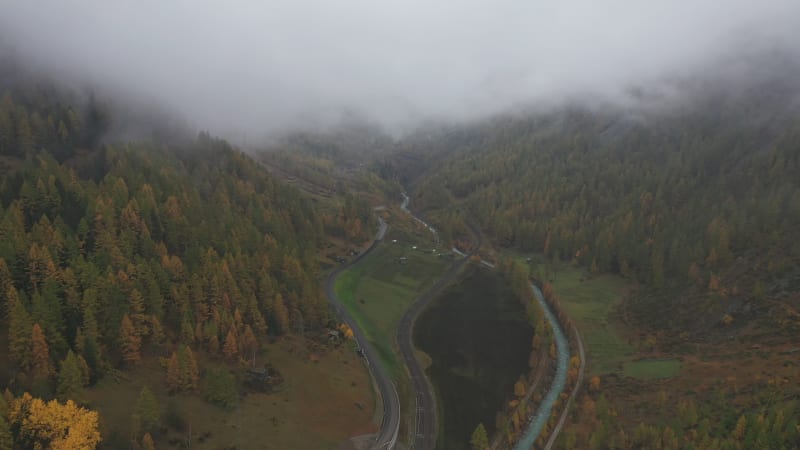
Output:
x=40 y=359
x=594 y=383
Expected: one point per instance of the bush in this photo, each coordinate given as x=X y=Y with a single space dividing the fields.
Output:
x=220 y=388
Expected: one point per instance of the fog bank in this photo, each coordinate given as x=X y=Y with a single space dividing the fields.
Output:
x=245 y=68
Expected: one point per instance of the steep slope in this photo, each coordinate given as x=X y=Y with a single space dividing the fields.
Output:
x=693 y=197
x=122 y=252
x=669 y=197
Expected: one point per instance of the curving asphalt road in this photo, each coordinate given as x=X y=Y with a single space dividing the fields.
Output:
x=390 y=424
x=425 y=421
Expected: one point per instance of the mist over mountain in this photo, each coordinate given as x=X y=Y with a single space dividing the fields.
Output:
x=246 y=69
x=637 y=161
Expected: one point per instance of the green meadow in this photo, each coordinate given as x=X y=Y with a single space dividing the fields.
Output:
x=380 y=288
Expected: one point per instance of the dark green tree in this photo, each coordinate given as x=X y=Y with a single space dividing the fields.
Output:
x=6 y=439
x=148 y=411
x=220 y=388
x=19 y=330
x=479 y=439
x=71 y=380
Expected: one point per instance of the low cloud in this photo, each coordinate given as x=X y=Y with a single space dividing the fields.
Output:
x=248 y=68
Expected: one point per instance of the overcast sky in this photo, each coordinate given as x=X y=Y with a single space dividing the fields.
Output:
x=257 y=65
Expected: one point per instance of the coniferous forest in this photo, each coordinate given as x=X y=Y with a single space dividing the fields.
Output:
x=126 y=240
x=694 y=201
x=670 y=196
x=112 y=251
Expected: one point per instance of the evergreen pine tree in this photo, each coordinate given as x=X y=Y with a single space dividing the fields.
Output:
x=249 y=341
x=70 y=380
x=136 y=302
x=6 y=440
x=19 y=330
x=147 y=410
x=220 y=388
x=157 y=336
x=190 y=374
x=213 y=345
x=41 y=367
x=173 y=373
x=231 y=348
x=131 y=342
x=479 y=439
x=86 y=372
x=6 y=282
x=90 y=346
x=281 y=314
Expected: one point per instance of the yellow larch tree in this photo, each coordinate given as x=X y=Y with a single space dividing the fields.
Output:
x=53 y=425
x=131 y=342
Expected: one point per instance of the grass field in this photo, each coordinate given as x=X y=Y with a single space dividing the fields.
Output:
x=320 y=405
x=651 y=369
x=378 y=290
x=591 y=302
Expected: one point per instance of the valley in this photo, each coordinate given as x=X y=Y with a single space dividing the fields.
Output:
x=499 y=261
x=478 y=340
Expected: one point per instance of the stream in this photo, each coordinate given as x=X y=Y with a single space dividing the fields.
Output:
x=404 y=207
x=539 y=419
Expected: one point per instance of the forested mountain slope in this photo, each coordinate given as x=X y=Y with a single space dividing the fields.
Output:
x=343 y=160
x=668 y=196
x=114 y=251
x=694 y=198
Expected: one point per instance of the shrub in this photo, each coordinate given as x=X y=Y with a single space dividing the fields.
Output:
x=220 y=388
